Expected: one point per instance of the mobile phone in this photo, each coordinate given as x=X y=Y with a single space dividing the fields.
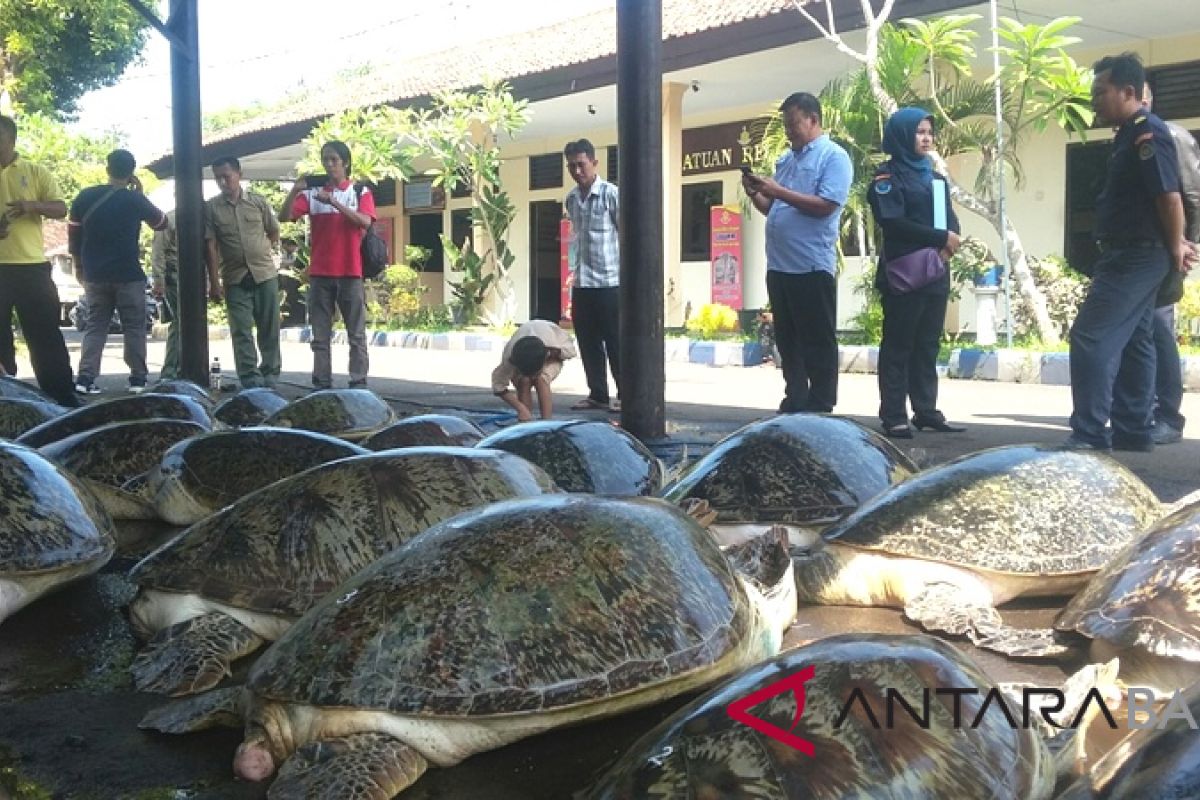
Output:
x=746 y=170
x=315 y=181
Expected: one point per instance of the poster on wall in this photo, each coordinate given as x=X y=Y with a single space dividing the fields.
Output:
x=726 y=255
x=384 y=227
x=564 y=269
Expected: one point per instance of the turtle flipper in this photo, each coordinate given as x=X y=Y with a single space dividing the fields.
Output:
x=221 y=708
x=121 y=504
x=946 y=608
x=362 y=766
x=194 y=655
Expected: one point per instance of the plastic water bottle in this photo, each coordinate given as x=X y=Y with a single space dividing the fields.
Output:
x=214 y=375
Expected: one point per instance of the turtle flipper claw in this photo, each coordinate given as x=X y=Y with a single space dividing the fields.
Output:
x=192 y=656
x=362 y=766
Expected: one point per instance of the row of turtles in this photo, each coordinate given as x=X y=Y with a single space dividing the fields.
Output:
x=595 y=605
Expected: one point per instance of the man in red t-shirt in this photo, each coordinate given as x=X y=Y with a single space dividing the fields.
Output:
x=339 y=213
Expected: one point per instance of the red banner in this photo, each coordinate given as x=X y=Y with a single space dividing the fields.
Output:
x=726 y=254
x=564 y=269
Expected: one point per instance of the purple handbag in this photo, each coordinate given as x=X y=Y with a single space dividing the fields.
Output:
x=915 y=270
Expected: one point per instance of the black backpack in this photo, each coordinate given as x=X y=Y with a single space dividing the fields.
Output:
x=373 y=249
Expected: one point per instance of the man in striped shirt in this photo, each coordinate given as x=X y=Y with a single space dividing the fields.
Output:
x=595 y=274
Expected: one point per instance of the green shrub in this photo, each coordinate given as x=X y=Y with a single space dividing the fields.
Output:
x=1064 y=289
x=1187 y=311
x=869 y=321
x=394 y=299
x=713 y=320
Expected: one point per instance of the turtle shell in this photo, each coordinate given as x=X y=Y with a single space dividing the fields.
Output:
x=20 y=416
x=702 y=751
x=249 y=407
x=426 y=430
x=114 y=453
x=1149 y=595
x=1155 y=762
x=1024 y=510
x=280 y=549
x=50 y=522
x=184 y=389
x=523 y=606
x=584 y=456
x=212 y=470
x=20 y=390
x=122 y=409
x=345 y=413
x=794 y=468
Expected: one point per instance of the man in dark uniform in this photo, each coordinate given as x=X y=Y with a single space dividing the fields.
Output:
x=1139 y=228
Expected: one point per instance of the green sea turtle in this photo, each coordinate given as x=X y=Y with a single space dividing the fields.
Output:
x=184 y=389
x=18 y=416
x=952 y=543
x=584 y=456
x=107 y=458
x=345 y=413
x=122 y=409
x=1160 y=762
x=802 y=471
x=707 y=750
x=426 y=430
x=500 y=624
x=20 y=390
x=53 y=530
x=1144 y=607
x=205 y=473
x=249 y=407
x=244 y=574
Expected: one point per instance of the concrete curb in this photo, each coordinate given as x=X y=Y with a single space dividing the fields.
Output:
x=1015 y=366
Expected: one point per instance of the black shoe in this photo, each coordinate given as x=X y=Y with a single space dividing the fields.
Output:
x=900 y=431
x=940 y=426
x=1073 y=442
x=1132 y=444
x=69 y=401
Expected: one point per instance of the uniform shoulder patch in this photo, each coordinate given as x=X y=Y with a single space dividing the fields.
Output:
x=883 y=184
x=1146 y=151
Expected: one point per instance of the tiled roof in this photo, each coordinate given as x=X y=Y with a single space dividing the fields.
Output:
x=54 y=236
x=577 y=41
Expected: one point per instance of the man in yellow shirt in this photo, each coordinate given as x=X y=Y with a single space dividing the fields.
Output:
x=28 y=193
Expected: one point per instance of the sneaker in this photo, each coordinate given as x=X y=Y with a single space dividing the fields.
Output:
x=69 y=401
x=1165 y=433
x=1073 y=442
x=87 y=388
x=1132 y=444
x=137 y=388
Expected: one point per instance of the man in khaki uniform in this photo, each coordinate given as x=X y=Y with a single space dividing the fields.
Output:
x=240 y=231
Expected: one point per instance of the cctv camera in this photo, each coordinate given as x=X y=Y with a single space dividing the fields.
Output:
x=591 y=109
x=695 y=86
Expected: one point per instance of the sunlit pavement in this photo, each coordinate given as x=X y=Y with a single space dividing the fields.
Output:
x=704 y=403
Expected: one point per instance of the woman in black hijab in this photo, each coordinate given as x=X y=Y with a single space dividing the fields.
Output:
x=912 y=206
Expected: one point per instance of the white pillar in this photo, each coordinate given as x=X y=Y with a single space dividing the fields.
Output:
x=985 y=314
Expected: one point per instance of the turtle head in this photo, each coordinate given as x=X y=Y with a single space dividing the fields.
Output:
x=253 y=760
x=765 y=567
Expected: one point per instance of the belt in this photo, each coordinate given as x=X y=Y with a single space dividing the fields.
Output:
x=1128 y=244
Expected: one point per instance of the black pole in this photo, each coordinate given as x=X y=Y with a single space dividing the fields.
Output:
x=639 y=142
x=189 y=195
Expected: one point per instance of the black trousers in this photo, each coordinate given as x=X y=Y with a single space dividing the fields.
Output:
x=596 y=317
x=805 y=310
x=30 y=290
x=912 y=330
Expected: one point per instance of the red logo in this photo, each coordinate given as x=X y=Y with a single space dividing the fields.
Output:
x=739 y=710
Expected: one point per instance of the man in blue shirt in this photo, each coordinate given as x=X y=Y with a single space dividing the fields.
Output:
x=1139 y=228
x=104 y=223
x=803 y=204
